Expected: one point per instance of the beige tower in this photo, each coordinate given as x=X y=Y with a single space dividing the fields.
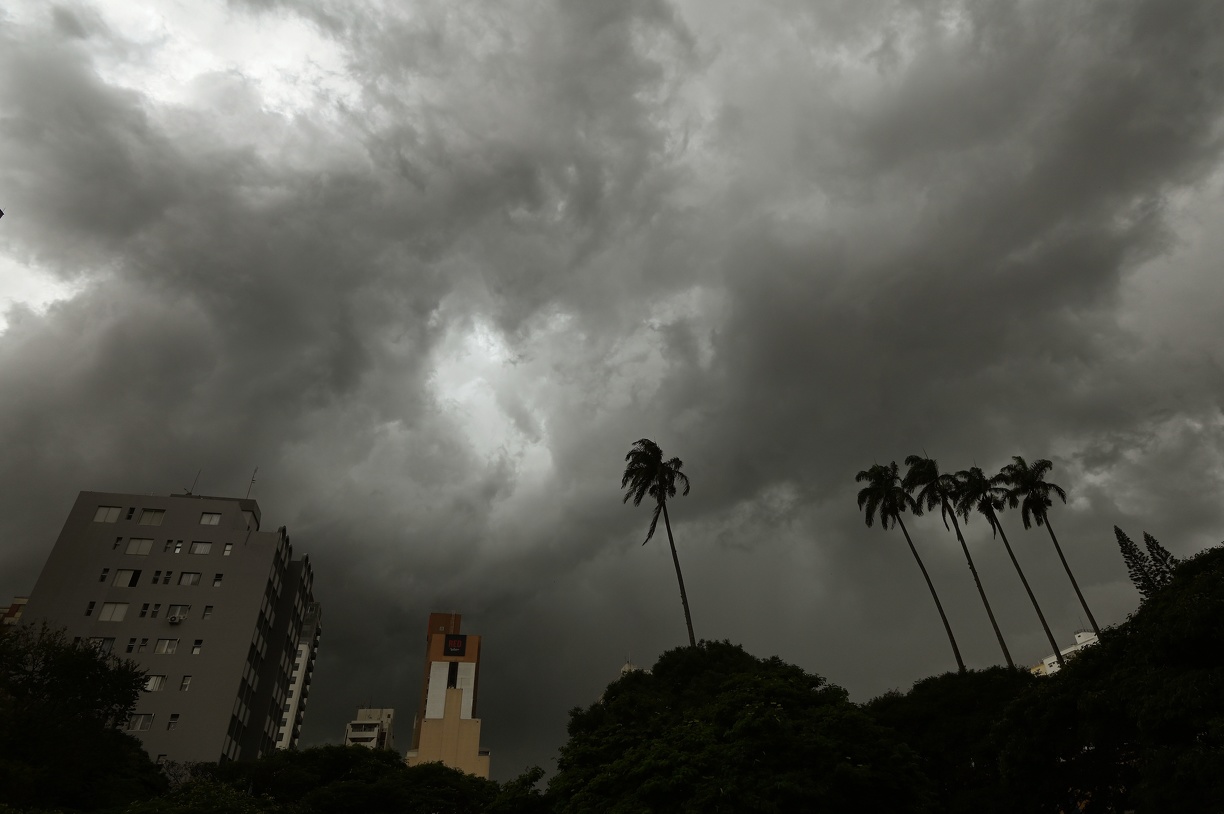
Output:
x=445 y=729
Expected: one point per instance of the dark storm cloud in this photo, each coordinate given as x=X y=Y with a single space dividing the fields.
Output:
x=436 y=306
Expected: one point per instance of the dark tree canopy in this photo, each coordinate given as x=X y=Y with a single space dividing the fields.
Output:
x=950 y=721
x=59 y=702
x=1135 y=722
x=714 y=729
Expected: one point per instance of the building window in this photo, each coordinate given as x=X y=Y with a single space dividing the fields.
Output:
x=139 y=723
x=229 y=549
x=208 y=611
x=131 y=646
x=217 y=580
x=154 y=683
x=210 y=519
x=201 y=548
x=104 y=644
x=197 y=647
x=180 y=611
x=189 y=578
x=126 y=578
x=166 y=578
x=106 y=514
x=173 y=722
x=152 y=517
x=112 y=611
x=144 y=610
x=102 y=577
x=131 y=511
x=144 y=645
x=185 y=684
x=165 y=646
x=178 y=546
x=118 y=542
x=139 y=545
x=153 y=613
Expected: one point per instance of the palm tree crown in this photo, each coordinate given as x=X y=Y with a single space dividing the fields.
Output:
x=884 y=495
x=976 y=492
x=646 y=473
x=1030 y=490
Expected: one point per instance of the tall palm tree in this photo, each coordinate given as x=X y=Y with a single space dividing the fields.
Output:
x=886 y=496
x=937 y=488
x=646 y=473
x=1031 y=492
x=976 y=492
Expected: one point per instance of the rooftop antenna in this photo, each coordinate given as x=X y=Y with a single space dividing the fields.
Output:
x=194 y=482
x=248 y=494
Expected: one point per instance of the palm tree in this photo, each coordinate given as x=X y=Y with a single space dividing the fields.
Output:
x=646 y=473
x=974 y=491
x=885 y=495
x=1031 y=492
x=939 y=488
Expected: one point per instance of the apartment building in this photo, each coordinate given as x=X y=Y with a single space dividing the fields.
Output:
x=211 y=606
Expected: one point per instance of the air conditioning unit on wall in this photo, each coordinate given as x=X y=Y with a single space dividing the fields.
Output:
x=174 y=620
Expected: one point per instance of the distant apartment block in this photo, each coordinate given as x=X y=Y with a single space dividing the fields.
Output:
x=11 y=614
x=300 y=676
x=373 y=728
x=1049 y=665
x=213 y=608
x=446 y=729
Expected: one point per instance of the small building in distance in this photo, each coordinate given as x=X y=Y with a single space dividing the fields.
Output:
x=446 y=729
x=372 y=728
x=11 y=615
x=1049 y=665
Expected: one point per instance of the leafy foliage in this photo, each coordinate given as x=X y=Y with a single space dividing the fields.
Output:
x=884 y=494
x=1161 y=561
x=713 y=729
x=646 y=473
x=1135 y=722
x=949 y=721
x=1029 y=489
x=1138 y=566
x=59 y=702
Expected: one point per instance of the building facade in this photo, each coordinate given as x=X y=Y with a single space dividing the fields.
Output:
x=300 y=675
x=209 y=605
x=1049 y=665
x=446 y=728
x=372 y=728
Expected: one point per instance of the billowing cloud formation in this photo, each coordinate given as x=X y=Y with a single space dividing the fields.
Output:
x=433 y=270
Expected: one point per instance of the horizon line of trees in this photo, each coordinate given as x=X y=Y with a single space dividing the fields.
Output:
x=888 y=495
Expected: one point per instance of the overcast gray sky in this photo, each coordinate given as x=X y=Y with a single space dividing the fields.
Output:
x=433 y=269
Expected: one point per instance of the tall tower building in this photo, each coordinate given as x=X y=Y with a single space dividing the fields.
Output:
x=212 y=607
x=446 y=729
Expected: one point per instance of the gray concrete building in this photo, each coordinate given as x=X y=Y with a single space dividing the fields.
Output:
x=372 y=728
x=209 y=605
x=300 y=675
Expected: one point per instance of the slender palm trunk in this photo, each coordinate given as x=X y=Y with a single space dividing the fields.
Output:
x=960 y=663
x=978 y=581
x=1033 y=599
x=1071 y=576
x=688 y=620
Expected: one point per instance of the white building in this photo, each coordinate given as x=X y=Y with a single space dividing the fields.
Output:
x=373 y=728
x=1049 y=665
x=294 y=709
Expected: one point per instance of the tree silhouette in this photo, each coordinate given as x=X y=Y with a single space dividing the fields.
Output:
x=647 y=474
x=937 y=488
x=987 y=496
x=886 y=496
x=1162 y=561
x=1029 y=490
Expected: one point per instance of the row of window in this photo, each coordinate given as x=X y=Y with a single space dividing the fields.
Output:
x=157 y=683
x=117 y=611
x=148 y=517
x=141 y=546
x=164 y=647
x=144 y=722
x=130 y=578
